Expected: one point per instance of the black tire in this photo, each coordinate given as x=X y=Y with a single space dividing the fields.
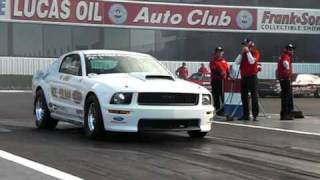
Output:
x=197 y=134
x=317 y=93
x=93 y=128
x=42 y=113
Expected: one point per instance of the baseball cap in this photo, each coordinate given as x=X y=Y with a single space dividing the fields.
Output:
x=290 y=46
x=247 y=41
x=219 y=49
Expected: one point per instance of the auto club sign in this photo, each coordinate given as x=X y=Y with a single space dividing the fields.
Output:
x=168 y=16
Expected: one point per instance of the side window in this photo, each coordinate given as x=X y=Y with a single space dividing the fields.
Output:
x=71 y=65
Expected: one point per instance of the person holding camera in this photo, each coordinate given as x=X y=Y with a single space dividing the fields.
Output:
x=248 y=59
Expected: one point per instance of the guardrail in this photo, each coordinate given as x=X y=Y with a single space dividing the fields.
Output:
x=28 y=66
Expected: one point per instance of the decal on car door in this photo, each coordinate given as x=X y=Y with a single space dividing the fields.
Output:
x=67 y=94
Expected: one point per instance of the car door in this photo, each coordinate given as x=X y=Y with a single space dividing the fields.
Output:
x=66 y=89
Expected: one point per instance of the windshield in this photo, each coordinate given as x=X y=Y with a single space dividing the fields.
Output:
x=106 y=64
x=199 y=76
x=196 y=76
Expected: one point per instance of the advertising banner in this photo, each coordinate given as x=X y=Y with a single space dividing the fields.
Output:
x=152 y=15
x=133 y=14
x=273 y=20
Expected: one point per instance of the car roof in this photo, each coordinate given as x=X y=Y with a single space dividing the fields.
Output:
x=113 y=52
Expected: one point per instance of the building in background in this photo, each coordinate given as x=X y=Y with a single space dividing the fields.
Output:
x=180 y=30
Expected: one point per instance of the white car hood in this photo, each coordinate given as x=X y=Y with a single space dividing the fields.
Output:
x=142 y=82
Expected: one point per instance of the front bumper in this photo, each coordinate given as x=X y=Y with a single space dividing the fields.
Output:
x=154 y=118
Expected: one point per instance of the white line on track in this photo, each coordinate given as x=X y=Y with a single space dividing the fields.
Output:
x=15 y=91
x=268 y=128
x=38 y=167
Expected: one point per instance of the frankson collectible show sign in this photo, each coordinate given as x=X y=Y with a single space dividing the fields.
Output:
x=126 y=14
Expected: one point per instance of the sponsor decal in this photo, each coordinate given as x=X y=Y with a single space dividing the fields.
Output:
x=5 y=9
x=67 y=94
x=187 y=17
x=118 y=118
x=65 y=77
x=287 y=20
x=41 y=75
x=118 y=14
x=244 y=19
x=3 y=5
x=64 y=94
x=57 y=10
x=54 y=92
x=77 y=96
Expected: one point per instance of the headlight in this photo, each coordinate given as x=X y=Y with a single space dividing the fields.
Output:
x=121 y=98
x=206 y=99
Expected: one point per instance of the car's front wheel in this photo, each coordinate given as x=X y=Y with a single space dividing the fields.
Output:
x=93 y=122
x=197 y=134
x=42 y=113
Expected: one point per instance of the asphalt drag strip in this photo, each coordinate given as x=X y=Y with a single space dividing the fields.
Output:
x=12 y=171
x=232 y=150
x=13 y=167
x=303 y=134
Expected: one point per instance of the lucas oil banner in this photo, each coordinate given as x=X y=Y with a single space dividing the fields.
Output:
x=174 y=16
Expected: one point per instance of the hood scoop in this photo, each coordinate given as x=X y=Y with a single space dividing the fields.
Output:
x=145 y=76
x=159 y=77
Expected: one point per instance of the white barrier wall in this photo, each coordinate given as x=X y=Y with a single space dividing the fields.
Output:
x=268 y=69
x=22 y=66
x=28 y=66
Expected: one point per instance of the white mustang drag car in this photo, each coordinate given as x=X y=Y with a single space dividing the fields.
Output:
x=118 y=91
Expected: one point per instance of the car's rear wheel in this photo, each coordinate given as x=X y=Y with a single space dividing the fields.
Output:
x=197 y=134
x=93 y=122
x=42 y=113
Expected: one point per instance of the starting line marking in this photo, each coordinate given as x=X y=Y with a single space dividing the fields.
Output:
x=268 y=128
x=37 y=166
x=15 y=91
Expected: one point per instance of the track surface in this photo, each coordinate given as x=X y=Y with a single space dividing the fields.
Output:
x=155 y=155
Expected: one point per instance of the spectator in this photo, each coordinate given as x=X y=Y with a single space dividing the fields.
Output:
x=219 y=73
x=284 y=74
x=248 y=59
x=182 y=71
x=203 y=69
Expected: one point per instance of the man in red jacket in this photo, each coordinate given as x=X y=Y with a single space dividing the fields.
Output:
x=203 y=69
x=182 y=71
x=219 y=73
x=248 y=59
x=284 y=73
